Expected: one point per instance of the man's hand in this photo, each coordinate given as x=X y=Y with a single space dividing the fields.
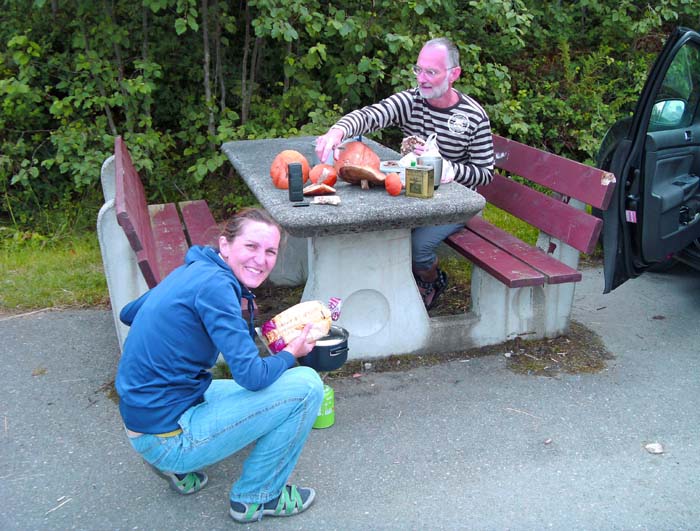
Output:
x=301 y=345
x=412 y=144
x=326 y=144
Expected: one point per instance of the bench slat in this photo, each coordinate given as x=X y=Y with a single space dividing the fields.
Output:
x=568 y=177
x=199 y=223
x=560 y=220
x=555 y=271
x=171 y=245
x=503 y=266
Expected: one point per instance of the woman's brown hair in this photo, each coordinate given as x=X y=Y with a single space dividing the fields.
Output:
x=234 y=226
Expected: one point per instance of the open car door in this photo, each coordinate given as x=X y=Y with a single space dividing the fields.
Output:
x=655 y=212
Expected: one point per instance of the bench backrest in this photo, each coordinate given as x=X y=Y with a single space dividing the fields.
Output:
x=132 y=212
x=155 y=232
x=157 y=235
x=551 y=214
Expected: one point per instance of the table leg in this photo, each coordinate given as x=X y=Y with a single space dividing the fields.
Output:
x=371 y=272
x=292 y=263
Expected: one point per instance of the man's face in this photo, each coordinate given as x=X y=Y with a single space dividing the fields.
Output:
x=435 y=77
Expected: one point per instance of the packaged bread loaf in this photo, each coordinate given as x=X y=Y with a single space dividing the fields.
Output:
x=286 y=326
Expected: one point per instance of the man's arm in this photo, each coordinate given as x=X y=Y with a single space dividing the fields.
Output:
x=477 y=169
x=362 y=121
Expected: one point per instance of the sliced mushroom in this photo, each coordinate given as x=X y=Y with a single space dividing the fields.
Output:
x=319 y=189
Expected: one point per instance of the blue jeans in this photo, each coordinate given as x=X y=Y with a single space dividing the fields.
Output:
x=424 y=241
x=278 y=417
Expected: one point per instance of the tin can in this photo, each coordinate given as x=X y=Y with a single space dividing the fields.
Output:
x=436 y=164
x=420 y=181
x=326 y=414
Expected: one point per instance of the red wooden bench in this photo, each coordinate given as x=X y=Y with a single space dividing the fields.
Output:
x=158 y=234
x=507 y=258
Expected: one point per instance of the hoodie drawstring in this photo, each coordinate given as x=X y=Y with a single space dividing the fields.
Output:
x=251 y=313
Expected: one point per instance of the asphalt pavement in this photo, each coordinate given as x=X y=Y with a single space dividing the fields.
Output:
x=463 y=445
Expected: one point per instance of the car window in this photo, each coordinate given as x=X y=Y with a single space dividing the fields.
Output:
x=677 y=98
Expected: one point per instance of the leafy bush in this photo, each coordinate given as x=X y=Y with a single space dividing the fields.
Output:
x=177 y=78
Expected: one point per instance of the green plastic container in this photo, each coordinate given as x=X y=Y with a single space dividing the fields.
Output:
x=326 y=415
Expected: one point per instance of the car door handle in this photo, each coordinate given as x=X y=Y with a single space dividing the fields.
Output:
x=688 y=136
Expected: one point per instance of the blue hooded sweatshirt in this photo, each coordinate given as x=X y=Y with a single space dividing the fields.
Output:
x=178 y=329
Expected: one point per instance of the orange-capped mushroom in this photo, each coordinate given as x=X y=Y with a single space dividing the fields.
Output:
x=323 y=173
x=357 y=163
x=279 y=170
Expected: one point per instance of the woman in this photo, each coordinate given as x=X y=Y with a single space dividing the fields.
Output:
x=177 y=417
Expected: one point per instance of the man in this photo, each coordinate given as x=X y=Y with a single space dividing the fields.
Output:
x=463 y=137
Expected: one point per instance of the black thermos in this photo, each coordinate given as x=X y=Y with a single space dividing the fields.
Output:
x=296 y=182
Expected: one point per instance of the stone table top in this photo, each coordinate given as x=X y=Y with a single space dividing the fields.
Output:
x=360 y=210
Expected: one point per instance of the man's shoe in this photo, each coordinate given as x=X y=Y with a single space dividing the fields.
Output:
x=293 y=500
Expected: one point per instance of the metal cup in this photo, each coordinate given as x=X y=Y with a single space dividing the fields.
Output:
x=436 y=163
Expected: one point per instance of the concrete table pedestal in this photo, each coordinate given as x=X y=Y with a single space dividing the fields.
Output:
x=382 y=308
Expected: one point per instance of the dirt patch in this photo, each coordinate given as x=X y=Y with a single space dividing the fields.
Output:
x=579 y=351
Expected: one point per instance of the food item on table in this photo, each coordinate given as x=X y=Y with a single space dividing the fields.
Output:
x=389 y=166
x=286 y=326
x=326 y=200
x=279 y=170
x=357 y=163
x=319 y=189
x=409 y=143
x=393 y=183
x=323 y=173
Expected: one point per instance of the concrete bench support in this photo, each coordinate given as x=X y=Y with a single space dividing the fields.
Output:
x=124 y=279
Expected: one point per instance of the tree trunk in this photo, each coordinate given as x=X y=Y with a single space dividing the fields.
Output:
x=286 y=82
x=207 y=74
x=218 y=61
x=245 y=97
x=100 y=86
x=145 y=29
x=128 y=102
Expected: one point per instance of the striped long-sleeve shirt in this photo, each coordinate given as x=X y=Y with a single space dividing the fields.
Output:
x=463 y=130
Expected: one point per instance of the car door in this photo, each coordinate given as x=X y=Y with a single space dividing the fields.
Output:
x=655 y=156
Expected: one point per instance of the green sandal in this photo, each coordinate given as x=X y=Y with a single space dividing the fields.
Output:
x=183 y=483
x=292 y=500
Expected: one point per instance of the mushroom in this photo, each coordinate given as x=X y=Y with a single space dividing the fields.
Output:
x=357 y=163
x=319 y=189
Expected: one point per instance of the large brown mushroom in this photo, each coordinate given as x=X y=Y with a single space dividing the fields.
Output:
x=357 y=163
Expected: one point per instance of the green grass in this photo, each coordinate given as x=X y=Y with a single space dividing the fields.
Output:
x=38 y=273
x=515 y=226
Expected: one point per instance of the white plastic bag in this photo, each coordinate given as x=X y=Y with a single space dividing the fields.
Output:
x=431 y=150
x=406 y=160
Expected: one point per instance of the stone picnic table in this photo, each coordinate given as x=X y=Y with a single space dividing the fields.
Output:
x=360 y=250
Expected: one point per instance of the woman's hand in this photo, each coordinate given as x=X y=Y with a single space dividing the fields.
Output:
x=302 y=345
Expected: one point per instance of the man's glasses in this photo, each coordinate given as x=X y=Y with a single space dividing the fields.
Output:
x=429 y=72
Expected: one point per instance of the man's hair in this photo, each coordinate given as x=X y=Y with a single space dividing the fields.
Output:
x=452 y=51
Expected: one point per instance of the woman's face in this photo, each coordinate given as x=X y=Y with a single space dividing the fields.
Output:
x=253 y=252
